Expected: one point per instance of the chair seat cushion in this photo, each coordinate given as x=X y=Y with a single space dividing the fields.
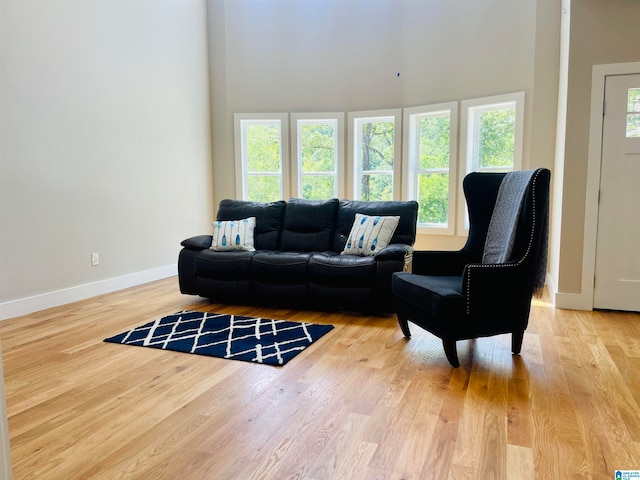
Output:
x=437 y=296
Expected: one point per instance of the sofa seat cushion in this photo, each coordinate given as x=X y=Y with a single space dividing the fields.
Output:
x=438 y=296
x=335 y=269
x=230 y=265
x=280 y=267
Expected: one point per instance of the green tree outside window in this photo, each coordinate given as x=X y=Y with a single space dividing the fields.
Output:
x=433 y=168
x=318 y=160
x=497 y=138
x=377 y=155
x=263 y=162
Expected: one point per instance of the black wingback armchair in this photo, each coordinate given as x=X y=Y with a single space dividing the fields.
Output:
x=455 y=295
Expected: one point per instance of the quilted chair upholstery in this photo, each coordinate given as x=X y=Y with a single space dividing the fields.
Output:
x=455 y=296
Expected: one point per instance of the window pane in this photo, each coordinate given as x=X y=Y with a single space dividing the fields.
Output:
x=497 y=138
x=263 y=188
x=376 y=187
x=433 y=198
x=263 y=147
x=377 y=145
x=318 y=147
x=633 y=104
x=317 y=187
x=434 y=142
x=633 y=126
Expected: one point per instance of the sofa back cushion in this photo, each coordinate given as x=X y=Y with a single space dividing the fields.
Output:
x=309 y=225
x=269 y=219
x=405 y=232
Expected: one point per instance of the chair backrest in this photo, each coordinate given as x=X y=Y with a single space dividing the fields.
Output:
x=481 y=192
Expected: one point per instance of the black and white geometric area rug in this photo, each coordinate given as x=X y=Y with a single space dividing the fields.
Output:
x=260 y=340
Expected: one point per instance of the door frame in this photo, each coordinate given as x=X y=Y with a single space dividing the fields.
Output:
x=594 y=159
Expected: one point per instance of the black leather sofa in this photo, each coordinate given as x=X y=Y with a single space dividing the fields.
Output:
x=297 y=260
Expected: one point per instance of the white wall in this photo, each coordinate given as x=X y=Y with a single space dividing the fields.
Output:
x=104 y=142
x=344 y=55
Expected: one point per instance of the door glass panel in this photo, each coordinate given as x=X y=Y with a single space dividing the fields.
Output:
x=633 y=125
x=633 y=100
x=633 y=118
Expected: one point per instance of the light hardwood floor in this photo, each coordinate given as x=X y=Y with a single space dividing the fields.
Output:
x=361 y=403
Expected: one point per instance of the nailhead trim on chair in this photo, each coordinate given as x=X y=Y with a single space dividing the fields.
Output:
x=502 y=265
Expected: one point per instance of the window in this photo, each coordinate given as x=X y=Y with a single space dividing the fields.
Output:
x=262 y=161
x=633 y=113
x=317 y=143
x=494 y=127
x=430 y=140
x=491 y=138
x=374 y=151
x=385 y=161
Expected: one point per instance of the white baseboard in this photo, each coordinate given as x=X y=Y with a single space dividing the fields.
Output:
x=551 y=287
x=567 y=301
x=572 y=301
x=25 y=306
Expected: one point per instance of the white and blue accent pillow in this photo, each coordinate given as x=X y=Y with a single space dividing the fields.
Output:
x=233 y=235
x=370 y=234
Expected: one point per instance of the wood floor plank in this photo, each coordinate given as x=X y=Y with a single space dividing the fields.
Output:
x=361 y=403
x=520 y=465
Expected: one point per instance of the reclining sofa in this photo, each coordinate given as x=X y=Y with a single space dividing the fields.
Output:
x=300 y=254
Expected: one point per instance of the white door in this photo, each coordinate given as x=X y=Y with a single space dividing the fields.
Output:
x=617 y=282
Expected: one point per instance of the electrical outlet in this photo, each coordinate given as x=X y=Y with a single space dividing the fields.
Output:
x=95 y=259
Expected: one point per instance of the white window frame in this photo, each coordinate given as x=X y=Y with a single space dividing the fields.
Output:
x=469 y=140
x=355 y=171
x=241 y=120
x=410 y=164
x=299 y=119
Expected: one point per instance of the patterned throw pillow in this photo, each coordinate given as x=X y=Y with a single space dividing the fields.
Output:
x=370 y=234
x=233 y=235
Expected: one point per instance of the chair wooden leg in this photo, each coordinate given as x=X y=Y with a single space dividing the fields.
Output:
x=451 y=352
x=404 y=325
x=516 y=341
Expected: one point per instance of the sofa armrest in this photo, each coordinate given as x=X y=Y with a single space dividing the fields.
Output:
x=199 y=242
x=395 y=257
x=395 y=251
